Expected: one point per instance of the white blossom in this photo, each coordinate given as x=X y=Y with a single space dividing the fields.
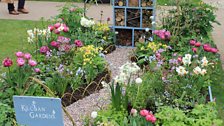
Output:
x=94 y=114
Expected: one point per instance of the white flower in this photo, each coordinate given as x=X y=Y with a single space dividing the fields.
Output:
x=203 y=72
x=151 y=17
x=138 y=81
x=147 y=30
x=187 y=59
x=153 y=22
x=61 y=28
x=197 y=70
x=104 y=84
x=94 y=114
x=181 y=71
x=116 y=32
x=204 y=62
x=86 y=23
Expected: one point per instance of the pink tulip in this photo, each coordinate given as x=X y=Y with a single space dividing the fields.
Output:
x=54 y=44
x=44 y=49
x=192 y=42
x=7 y=62
x=78 y=43
x=144 y=112
x=56 y=31
x=207 y=49
x=27 y=56
x=214 y=50
x=20 y=61
x=198 y=44
x=179 y=59
x=194 y=50
x=19 y=54
x=51 y=28
x=66 y=29
x=32 y=63
x=57 y=25
x=37 y=70
x=153 y=119
x=206 y=45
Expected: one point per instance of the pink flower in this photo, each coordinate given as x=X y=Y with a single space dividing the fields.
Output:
x=78 y=43
x=44 y=49
x=57 y=25
x=7 y=62
x=134 y=112
x=158 y=55
x=198 y=44
x=56 y=31
x=207 y=47
x=51 y=28
x=151 y=118
x=32 y=63
x=167 y=34
x=72 y=9
x=20 y=61
x=65 y=48
x=179 y=59
x=66 y=29
x=19 y=54
x=144 y=112
x=214 y=50
x=37 y=70
x=194 y=50
x=27 y=56
x=192 y=42
x=54 y=44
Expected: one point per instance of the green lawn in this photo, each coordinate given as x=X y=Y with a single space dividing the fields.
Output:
x=14 y=37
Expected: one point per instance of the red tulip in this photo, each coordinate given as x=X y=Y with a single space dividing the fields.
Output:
x=198 y=44
x=7 y=62
x=51 y=28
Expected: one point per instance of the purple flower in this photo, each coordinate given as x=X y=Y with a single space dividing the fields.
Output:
x=63 y=40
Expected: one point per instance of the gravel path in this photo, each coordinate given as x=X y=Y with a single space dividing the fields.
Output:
x=94 y=102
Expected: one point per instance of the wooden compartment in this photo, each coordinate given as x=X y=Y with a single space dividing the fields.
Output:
x=133 y=17
x=124 y=37
x=146 y=3
x=146 y=20
x=119 y=17
x=120 y=2
x=133 y=3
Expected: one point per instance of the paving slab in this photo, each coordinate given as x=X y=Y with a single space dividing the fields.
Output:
x=218 y=32
x=47 y=10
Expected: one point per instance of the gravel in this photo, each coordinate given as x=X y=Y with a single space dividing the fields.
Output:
x=82 y=108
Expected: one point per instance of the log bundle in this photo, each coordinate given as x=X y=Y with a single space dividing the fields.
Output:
x=146 y=3
x=119 y=17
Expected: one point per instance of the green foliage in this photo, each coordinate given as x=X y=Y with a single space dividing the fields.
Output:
x=200 y=115
x=111 y=116
x=136 y=121
x=6 y=115
x=190 y=19
x=119 y=100
x=148 y=92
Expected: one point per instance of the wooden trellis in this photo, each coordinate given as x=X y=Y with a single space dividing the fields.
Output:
x=131 y=19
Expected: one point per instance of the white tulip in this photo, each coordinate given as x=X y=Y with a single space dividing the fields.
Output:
x=94 y=114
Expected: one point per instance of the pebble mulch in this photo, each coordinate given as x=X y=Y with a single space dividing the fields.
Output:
x=101 y=99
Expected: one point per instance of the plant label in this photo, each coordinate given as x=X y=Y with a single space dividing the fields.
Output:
x=38 y=111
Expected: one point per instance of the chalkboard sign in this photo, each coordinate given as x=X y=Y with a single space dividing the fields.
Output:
x=38 y=111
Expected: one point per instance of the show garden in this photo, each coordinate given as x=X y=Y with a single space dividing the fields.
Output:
x=165 y=83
